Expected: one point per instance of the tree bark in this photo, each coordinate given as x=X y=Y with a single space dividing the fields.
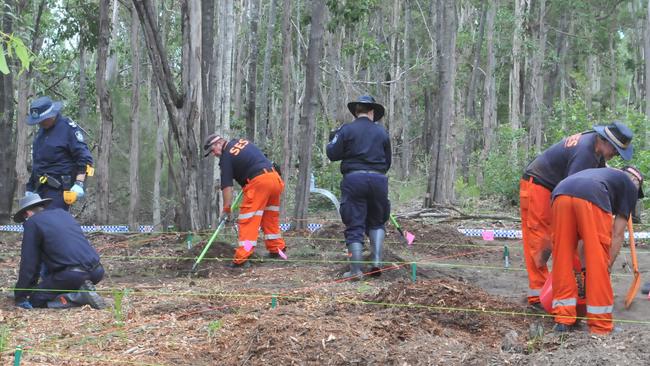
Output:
x=472 y=86
x=287 y=140
x=7 y=132
x=646 y=54
x=266 y=132
x=83 y=89
x=441 y=174
x=106 y=115
x=613 y=64
x=515 y=84
x=490 y=104
x=183 y=109
x=252 y=70
x=134 y=158
x=308 y=117
x=537 y=82
x=405 y=153
x=206 y=166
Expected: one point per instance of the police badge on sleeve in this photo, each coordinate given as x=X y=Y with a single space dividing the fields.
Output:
x=79 y=136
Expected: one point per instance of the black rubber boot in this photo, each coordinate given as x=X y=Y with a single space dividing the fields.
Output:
x=62 y=302
x=356 y=257
x=87 y=295
x=377 y=243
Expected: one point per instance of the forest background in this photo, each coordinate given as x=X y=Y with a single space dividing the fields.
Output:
x=473 y=91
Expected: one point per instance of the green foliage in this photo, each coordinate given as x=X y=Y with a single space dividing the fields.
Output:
x=500 y=175
x=213 y=327
x=4 y=339
x=13 y=45
x=348 y=13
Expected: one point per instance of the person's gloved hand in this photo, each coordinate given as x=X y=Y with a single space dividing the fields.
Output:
x=25 y=304
x=225 y=215
x=333 y=133
x=29 y=193
x=78 y=188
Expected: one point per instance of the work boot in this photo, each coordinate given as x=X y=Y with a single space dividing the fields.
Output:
x=90 y=296
x=275 y=255
x=62 y=302
x=562 y=328
x=355 y=258
x=377 y=243
x=537 y=307
x=233 y=265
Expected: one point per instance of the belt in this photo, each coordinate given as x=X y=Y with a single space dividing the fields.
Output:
x=365 y=172
x=82 y=268
x=536 y=181
x=260 y=172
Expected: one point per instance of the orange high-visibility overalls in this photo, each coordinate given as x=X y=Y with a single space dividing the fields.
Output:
x=535 y=204
x=573 y=219
x=260 y=206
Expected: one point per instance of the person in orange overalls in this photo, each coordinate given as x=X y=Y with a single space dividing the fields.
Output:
x=242 y=161
x=583 y=205
x=575 y=153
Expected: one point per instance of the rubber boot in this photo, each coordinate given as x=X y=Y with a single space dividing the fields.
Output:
x=86 y=296
x=356 y=257
x=377 y=243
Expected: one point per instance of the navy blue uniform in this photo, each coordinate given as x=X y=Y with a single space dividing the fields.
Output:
x=610 y=189
x=53 y=238
x=569 y=156
x=241 y=160
x=61 y=152
x=363 y=147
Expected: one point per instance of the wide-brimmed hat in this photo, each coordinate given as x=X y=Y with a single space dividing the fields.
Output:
x=619 y=135
x=42 y=109
x=209 y=141
x=370 y=101
x=29 y=201
x=637 y=173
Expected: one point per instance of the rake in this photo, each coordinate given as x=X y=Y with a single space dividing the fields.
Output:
x=636 y=282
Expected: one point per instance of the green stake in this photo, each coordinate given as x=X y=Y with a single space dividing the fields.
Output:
x=414 y=269
x=506 y=257
x=189 y=240
x=19 y=352
x=274 y=301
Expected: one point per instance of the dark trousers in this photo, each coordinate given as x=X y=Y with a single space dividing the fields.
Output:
x=364 y=204
x=56 y=195
x=63 y=281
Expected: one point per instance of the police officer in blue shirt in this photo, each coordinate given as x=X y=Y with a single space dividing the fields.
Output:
x=53 y=239
x=60 y=156
x=363 y=146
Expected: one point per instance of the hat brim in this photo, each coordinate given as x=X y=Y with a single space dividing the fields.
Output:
x=378 y=108
x=56 y=108
x=626 y=153
x=19 y=216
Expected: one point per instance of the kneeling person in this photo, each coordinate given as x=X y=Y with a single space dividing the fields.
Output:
x=53 y=240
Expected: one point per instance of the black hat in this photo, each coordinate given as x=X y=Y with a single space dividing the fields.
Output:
x=370 y=101
x=619 y=135
x=209 y=141
x=637 y=173
x=42 y=109
x=30 y=200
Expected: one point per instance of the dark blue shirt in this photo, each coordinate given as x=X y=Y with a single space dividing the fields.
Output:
x=54 y=238
x=361 y=145
x=610 y=189
x=569 y=156
x=59 y=150
x=241 y=160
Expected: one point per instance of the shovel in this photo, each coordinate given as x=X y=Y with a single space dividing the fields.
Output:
x=408 y=237
x=222 y=222
x=636 y=282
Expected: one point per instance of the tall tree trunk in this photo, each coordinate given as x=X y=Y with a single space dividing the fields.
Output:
x=134 y=158
x=613 y=64
x=266 y=132
x=7 y=132
x=83 y=89
x=646 y=54
x=308 y=117
x=490 y=105
x=183 y=109
x=515 y=84
x=252 y=70
x=287 y=140
x=440 y=188
x=206 y=166
x=537 y=81
x=112 y=61
x=403 y=169
x=394 y=124
x=106 y=115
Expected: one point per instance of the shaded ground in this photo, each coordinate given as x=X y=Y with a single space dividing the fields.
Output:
x=464 y=308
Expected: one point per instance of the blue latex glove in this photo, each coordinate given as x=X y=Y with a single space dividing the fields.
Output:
x=25 y=304
x=78 y=189
x=29 y=193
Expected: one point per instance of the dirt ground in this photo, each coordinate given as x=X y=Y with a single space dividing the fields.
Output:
x=464 y=307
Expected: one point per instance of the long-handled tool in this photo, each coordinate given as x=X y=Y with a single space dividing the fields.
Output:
x=408 y=237
x=636 y=282
x=222 y=222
